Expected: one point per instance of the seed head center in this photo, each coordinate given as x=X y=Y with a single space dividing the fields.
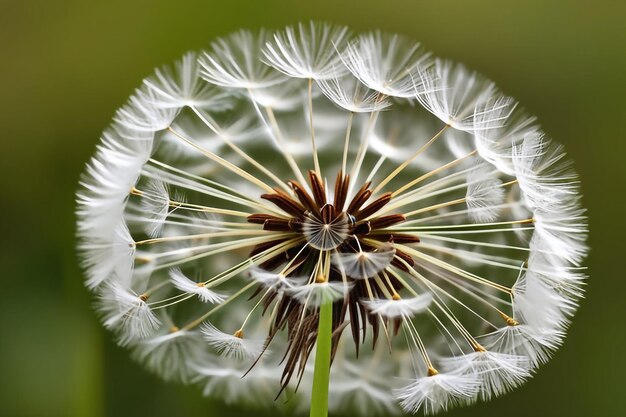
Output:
x=329 y=223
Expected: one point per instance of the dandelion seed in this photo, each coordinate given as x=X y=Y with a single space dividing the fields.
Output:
x=438 y=392
x=127 y=312
x=454 y=93
x=181 y=86
x=364 y=265
x=331 y=190
x=385 y=63
x=173 y=354
x=183 y=283
x=318 y=292
x=106 y=254
x=498 y=372
x=232 y=345
x=399 y=307
x=524 y=340
x=484 y=194
x=347 y=92
x=156 y=203
x=307 y=52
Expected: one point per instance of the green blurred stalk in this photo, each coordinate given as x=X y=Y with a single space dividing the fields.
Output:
x=321 y=373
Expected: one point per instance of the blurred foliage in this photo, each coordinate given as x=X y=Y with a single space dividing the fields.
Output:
x=68 y=64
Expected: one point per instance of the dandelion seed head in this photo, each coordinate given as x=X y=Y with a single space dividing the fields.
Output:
x=245 y=186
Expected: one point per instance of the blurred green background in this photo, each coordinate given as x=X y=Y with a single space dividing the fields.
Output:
x=67 y=65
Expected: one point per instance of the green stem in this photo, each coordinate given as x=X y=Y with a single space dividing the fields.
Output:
x=321 y=373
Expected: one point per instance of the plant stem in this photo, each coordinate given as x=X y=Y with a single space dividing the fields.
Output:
x=321 y=373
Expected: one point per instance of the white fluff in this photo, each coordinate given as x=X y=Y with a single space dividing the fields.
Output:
x=144 y=112
x=230 y=345
x=544 y=173
x=563 y=231
x=350 y=94
x=307 y=51
x=172 y=354
x=108 y=178
x=155 y=203
x=109 y=255
x=534 y=343
x=181 y=85
x=364 y=265
x=439 y=392
x=235 y=62
x=127 y=313
x=315 y=294
x=272 y=279
x=555 y=271
x=280 y=97
x=360 y=389
x=492 y=114
x=539 y=305
x=404 y=307
x=498 y=126
x=385 y=63
x=180 y=281
x=222 y=378
x=498 y=372
x=484 y=194
x=454 y=93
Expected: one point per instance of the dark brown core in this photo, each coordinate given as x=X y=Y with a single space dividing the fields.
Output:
x=339 y=226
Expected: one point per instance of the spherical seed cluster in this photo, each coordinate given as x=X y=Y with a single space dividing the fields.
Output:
x=245 y=186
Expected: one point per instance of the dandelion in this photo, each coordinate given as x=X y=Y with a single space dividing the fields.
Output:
x=342 y=221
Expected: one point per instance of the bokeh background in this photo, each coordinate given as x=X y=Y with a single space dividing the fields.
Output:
x=66 y=65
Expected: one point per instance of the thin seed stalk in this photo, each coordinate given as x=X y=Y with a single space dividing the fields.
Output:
x=321 y=372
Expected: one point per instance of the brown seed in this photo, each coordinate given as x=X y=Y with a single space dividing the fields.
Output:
x=317 y=186
x=373 y=207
